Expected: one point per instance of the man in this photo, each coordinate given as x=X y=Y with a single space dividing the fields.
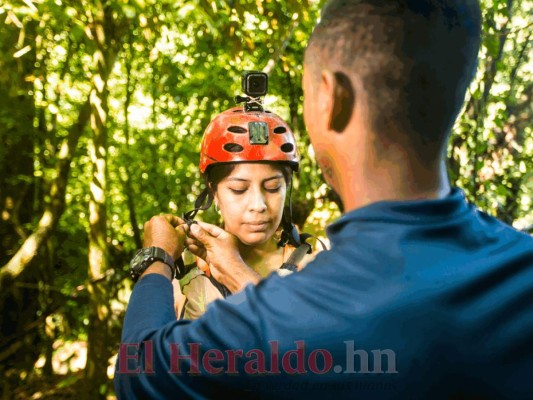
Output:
x=421 y=295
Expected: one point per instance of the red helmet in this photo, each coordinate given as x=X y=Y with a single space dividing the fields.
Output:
x=239 y=136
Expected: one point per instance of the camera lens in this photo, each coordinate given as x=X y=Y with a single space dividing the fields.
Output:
x=255 y=84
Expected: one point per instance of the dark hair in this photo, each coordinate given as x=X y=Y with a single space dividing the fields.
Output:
x=217 y=172
x=415 y=59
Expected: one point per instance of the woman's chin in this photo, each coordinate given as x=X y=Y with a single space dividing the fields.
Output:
x=254 y=239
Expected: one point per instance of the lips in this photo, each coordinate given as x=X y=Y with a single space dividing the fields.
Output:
x=257 y=226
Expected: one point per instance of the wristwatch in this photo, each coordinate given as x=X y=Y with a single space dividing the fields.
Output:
x=146 y=257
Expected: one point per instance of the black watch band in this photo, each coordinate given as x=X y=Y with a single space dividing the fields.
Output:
x=146 y=257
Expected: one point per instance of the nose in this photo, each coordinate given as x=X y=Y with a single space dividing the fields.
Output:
x=257 y=201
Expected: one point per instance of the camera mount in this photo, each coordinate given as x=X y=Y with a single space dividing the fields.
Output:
x=250 y=103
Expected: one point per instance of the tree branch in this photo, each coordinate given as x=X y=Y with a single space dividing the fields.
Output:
x=54 y=208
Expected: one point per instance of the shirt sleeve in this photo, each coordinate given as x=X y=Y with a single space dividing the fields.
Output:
x=235 y=339
x=160 y=357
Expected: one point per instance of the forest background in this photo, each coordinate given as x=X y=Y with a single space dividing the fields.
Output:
x=102 y=107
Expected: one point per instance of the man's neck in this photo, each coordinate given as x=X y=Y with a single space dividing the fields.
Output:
x=396 y=180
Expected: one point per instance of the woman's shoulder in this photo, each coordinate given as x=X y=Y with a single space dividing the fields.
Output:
x=193 y=274
x=199 y=292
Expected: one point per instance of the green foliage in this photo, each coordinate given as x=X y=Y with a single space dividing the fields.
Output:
x=492 y=142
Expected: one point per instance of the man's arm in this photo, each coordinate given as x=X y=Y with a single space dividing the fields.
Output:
x=154 y=349
x=160 y=357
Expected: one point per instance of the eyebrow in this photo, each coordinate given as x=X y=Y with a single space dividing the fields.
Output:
x=279 y=176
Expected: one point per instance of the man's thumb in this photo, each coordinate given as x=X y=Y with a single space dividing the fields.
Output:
x=196 y=230
x=200 y=234
x=212 y=230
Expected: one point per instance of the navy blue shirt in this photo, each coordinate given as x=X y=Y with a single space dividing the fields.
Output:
x=419 y=299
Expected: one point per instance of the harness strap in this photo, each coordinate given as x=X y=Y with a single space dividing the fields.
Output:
x=224 y=291
x=291 y=264
x=297 y=255
x=202 y=202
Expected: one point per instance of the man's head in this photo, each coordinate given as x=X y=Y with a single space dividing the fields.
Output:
x=403 y=66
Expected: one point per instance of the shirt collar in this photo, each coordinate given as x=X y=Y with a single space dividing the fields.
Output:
x=409 y=212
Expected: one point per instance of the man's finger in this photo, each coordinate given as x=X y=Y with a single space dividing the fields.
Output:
x=193 y=243
x=200 y=234
x=181 y=231
x=194 y=249
x=173 y=220
x=213 y=230
x=198 y=252
x=189 y=240
x=203 y=266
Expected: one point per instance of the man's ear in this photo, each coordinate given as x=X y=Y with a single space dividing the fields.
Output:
x=337 y=99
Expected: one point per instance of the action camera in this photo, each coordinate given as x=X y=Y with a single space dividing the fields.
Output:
x=254 y=83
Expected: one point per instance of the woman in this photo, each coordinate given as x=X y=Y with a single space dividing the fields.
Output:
x=247 y=159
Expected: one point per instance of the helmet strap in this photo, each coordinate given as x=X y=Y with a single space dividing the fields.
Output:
x=202 y=202
x=289 y=233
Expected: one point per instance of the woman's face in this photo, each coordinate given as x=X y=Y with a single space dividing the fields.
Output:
x=251 y=201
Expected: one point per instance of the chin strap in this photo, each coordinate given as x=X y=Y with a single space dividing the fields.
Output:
x=291 y=236
x=202 y=202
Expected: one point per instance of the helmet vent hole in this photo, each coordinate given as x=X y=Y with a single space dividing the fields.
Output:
x=233 y=147
x=287 y=147
x=267 y=111
x=238 y=110
x=237 y=129
x=280 y=129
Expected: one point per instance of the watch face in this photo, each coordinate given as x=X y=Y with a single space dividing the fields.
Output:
x=137 y=261
x=145 y=257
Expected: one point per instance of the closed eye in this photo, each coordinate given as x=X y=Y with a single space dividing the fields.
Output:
x=237 y=191
x=274 y=190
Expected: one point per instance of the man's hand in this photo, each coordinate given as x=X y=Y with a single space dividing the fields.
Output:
x=219 y=250
x=166 y=232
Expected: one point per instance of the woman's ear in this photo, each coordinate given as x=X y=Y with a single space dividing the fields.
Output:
x=212 y=191
x=215 y=200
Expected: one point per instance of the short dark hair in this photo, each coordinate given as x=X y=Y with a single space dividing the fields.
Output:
x=415 y=58
x=217 y=172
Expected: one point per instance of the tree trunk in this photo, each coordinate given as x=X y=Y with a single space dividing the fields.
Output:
x=126 y=182
x=98 y=352
x=17 y=136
